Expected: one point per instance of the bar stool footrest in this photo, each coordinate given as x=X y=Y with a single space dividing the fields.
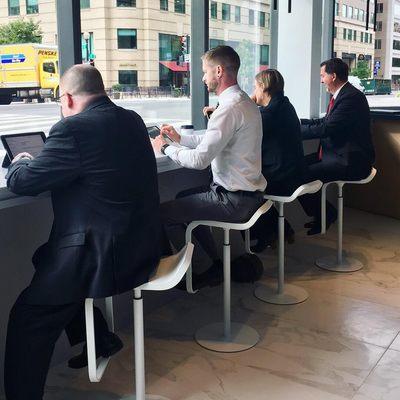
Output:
x=348 y=264
x=242 y=337
x=291 y=294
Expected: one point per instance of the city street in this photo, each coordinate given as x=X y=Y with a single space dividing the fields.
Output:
x=20 y=117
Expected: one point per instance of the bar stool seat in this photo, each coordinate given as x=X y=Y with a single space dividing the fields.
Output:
x=226 y=336
x=339 y=263
x=168 y=273
x=285 y=294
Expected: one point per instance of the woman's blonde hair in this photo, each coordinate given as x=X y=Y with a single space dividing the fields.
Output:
x=271 y=81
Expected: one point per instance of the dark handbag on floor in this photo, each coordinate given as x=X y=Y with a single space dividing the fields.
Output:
x=247 y=268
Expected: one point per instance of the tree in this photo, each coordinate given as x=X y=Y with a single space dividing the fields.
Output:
x=20 y=31
x=248 y=64
x=362 y=70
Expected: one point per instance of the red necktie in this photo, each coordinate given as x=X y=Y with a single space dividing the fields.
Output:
x=330 y=106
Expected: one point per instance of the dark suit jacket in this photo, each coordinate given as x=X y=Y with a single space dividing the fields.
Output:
x=100 y=168
x=345 y=132
x=282 y=148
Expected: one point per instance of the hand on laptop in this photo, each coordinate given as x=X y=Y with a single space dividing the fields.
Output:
x=20 y=156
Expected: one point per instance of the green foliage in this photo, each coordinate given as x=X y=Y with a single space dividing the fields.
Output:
x=20 y=31
x=248 y=68
x=117 y=87
x=362 y=70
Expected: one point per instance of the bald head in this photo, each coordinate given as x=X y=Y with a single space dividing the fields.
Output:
x=83 y=80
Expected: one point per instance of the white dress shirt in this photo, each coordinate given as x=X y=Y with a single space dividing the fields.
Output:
x=231 y=144
x=336 y=94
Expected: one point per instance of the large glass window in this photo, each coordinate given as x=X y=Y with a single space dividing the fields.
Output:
x=126 y=3
x=128 y=78
x=85 y=3
x=396 y=44
x=127 y=38
x=214 y=10
x=226 y=12
x=396 y=62
x=251 y=17
x=336 y=8
x=237 y=14
x=32 y=7
x=262 y=19
x=13 y=7
x=344 y=10
x=180 y=6
x=164 y=5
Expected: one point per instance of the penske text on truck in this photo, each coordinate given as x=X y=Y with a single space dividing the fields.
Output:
x=28 y=71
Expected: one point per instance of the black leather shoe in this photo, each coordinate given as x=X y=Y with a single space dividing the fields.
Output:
x=272 y=241
x=109 y=346
x=213 y=276
x=315 y=228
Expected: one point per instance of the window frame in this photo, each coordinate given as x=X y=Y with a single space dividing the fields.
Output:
x=118 y=38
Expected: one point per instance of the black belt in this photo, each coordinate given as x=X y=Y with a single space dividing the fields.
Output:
x=220 y=189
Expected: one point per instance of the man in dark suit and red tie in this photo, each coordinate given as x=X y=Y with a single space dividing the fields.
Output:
x=345 y=150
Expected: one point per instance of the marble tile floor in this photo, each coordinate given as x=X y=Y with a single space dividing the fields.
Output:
x=342 y=343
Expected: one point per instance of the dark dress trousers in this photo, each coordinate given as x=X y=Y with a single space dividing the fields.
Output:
x=100 y=168
x=282 y=157
x=345 y=139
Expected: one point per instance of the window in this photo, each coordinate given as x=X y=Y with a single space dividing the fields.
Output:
x=336 y=8
x=214 y=10
x=13 y=7
x=378 y=44
x=335 y=32
x=87 y=47
x=264 y=54
x=262 y=19
x=355 y=13
x=362 y=37
x=396 y=62
x=349 y=34
x=237 y=14
x=366 y=36
x=164 y=5
x=350 y=12
x=396 y=44
x=127 y=77
x=370 y=37
x=126 y=3
x=251 y=17
x=344 y=33
x=127 y=38
x=85 y=3
x=344 y=10
x=180 y=6
x=361 y=16
x=49 y=67
x=354 y=35
x=226 y=12
x=32 y=7
x=380 y=8
x=379 y=26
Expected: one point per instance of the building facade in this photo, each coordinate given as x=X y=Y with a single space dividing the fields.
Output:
x=352 y=40
x=146 y=43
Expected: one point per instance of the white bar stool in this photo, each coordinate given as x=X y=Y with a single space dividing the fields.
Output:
x=339 y=263
x=285 y=294
x=226 y=336
x=169 y=272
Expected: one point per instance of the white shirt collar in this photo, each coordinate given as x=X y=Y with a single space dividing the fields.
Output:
x=336 y=94
x=227 y=93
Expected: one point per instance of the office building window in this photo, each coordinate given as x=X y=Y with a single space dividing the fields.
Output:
x=85 y=3
x=180 y=6
x=354 y=35
x=226 y=12
x=396 y=62
x=380 y=8
x=262 y=19
x=126 y=3
x=355 y=13
x=370 y=37
x=344 y=10
x=349 y=34
x=251 y=17
x=214 y=10
x=13 y=7
x=379 y=26
x=396 y=44
x=349 y=12
x=361 y=16
x=334 y=32
x=344 y=33
x=164 y=5
x=237 y=14
x=264 y=54
x=378 y=44
x=362 y=37
x=127 y=77
x=127 y=38
x=336 y=8
x=32 y=7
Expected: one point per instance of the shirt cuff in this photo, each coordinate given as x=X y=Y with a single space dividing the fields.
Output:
x=170 y=150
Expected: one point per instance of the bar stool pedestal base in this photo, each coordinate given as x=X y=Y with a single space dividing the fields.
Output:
x=291 y=294
x=348 y=264
x=242 y=337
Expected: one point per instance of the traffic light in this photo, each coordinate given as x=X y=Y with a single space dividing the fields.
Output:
x=184 y=44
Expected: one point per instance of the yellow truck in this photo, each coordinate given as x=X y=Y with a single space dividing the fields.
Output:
x=28 y=71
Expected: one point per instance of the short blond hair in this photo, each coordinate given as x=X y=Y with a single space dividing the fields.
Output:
x=271 y=81
x=225 y=56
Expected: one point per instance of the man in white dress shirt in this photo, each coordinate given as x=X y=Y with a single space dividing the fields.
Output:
x=232 y=146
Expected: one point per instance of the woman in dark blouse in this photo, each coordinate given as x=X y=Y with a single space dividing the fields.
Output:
x=282 y=151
